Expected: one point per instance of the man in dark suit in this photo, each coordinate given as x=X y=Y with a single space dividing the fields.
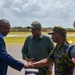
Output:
x=5 y=58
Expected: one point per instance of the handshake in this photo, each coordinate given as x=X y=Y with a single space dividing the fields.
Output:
x=29 y=64
x=30 y=67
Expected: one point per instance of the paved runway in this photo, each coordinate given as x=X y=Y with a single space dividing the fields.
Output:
x=15 y=51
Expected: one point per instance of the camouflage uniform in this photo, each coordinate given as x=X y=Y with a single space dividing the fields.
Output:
x=63 y=65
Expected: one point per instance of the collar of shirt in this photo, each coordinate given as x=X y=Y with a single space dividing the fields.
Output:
x=64 y=46
x=1 y=36
x=41 y=36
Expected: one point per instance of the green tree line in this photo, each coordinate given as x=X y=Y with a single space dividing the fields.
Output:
x=24 y=29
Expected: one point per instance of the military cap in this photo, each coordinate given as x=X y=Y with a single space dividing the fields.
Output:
x=58 y=29
x=34 y=25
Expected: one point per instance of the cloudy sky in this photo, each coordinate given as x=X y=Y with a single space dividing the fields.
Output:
x=49 y=12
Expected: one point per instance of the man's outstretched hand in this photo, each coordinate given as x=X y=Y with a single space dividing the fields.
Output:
x=28 y=65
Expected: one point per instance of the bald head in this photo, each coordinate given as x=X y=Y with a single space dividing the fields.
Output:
x=4 y=27
x=4 y=22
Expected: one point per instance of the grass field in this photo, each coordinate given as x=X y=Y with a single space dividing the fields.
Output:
x=18 y=38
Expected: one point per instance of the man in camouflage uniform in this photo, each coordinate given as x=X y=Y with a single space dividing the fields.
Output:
x=63 y=66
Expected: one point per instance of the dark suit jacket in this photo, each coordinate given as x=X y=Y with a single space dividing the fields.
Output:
x=6 y=59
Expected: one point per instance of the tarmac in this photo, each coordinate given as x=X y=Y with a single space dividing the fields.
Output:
x=15 y=51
